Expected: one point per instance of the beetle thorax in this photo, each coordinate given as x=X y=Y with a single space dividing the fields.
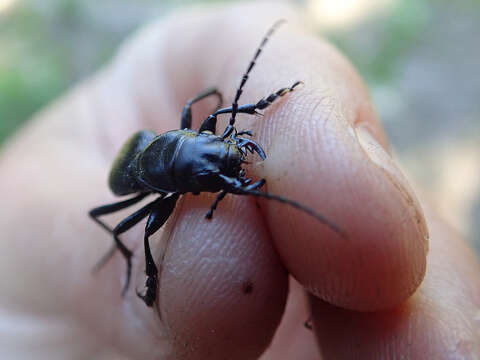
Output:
x=200 y=159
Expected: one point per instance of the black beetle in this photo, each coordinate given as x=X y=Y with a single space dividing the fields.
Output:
x=186 y=161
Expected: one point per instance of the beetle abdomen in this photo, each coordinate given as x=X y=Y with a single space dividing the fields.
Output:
x=155 y=164
x=122 y=179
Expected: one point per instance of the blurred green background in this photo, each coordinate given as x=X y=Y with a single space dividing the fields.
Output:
x=420 y=59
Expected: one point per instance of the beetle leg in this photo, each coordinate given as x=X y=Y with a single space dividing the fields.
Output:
x=230 y=183
x=108 y=209
x=260 y=105
x=162 y=208
x=252 y=146
x=240 y=186
x=256 y=185
x=186 y=121
x=245 y=132
x=266 y=102
x=210 y=123
x=123 y=226
x=215 y=204
x=234 y=186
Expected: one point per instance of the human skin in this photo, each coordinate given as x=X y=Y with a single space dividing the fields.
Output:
x=392 y=289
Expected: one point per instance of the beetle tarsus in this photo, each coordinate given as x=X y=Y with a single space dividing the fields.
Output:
x=245 y=132
x=267 y=101
x=161 y=209
x=151 y=293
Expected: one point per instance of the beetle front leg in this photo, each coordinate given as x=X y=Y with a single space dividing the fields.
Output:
x=239 y=186
x=162 y=209
x=210 y=123
x=252 y=108
x=256 y=185
x=219 y=198
x=266 y=102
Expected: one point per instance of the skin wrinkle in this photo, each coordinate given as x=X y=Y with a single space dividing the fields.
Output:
x=192 y=263
x=314 y=137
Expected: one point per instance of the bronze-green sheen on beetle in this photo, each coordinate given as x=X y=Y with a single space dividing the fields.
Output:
x=186 y=161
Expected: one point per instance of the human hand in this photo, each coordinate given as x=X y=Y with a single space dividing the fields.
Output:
x=325 y=148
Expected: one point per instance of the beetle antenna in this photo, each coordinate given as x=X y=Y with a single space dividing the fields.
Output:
x=250 y=67
x=299 y=206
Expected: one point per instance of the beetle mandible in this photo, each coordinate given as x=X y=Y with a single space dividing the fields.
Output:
x=187 y=161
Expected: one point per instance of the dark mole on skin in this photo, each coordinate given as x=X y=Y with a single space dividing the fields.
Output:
x=308 y=323
x=247 y=287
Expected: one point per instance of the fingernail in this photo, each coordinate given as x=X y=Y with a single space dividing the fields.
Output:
x=381 y=158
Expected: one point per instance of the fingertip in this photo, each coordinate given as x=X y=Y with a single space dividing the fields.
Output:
x=381 y=258
x=222 y=285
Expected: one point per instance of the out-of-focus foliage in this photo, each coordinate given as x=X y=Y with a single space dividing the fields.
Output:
x=381 y=43
x=421 y=64
x=47 y=45
x=32 y=71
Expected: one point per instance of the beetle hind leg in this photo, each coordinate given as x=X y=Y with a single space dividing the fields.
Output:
x=122 y=227
x=109 y=209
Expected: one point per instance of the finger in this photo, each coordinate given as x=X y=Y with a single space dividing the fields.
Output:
x=222 y=284
x=324 y=149
x=440 y=321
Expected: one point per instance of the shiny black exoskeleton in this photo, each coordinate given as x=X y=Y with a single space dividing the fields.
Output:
x=186 y=161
